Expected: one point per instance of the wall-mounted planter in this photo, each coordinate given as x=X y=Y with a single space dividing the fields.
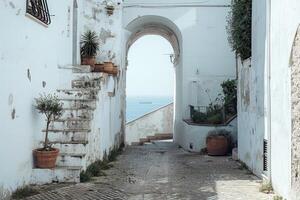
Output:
x=110 y=10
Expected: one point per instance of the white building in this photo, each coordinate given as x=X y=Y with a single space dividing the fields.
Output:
x=268 y=101
x=38 y=58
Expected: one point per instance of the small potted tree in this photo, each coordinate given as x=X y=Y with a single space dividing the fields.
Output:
x=218 y=142
x=89 y=47
x=52 y=108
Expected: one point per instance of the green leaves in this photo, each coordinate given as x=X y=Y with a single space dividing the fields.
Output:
x=49 y=105
x=89 y=44
x=240 y=26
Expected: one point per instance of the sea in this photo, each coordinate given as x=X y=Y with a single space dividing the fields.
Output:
x=139 y=106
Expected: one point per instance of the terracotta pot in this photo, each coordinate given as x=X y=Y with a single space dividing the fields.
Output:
x=45 y=159
x=110 y=68
x=89 y=61
x=99 y=68
x=217 y=145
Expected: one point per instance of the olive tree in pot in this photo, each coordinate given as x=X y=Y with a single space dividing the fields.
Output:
x=52 y=108
x=218 y=142
x=89 y=47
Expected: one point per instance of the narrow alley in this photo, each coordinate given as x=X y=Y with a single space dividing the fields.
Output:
x=161 y=170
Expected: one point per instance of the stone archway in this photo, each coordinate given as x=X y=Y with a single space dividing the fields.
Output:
x=295 y=112
x=157 y=25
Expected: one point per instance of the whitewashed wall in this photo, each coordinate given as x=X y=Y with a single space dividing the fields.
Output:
x=194 y=139
x=252 y=94
x=205 y=57
x=285 y=19
x=30 y=54
x=110 y=123
x=157 y=121
x=268 y=114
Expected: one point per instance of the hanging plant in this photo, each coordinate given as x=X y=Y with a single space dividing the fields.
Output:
x=239 y=27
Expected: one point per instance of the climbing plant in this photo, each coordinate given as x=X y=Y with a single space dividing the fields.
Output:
x=239 y=27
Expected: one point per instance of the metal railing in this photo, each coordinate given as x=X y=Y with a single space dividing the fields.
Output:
x=39 y=10
x=213 y=114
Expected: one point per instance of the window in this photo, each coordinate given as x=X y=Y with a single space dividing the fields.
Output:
x=39 y=10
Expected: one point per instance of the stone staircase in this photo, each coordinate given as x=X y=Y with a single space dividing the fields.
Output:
x=158 y=136
x=71 y=133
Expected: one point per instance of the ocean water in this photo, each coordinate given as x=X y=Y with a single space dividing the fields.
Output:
x=138 y=106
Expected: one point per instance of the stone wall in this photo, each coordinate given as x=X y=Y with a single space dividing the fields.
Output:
x=155 y=122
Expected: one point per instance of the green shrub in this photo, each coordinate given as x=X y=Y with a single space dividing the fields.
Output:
x=24 y=192
x=85 y=176
x=52 y=108
x=239 y=27
x=230 y=96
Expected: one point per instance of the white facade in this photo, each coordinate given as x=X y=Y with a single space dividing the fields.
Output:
x=265 y=89
x=30 y=57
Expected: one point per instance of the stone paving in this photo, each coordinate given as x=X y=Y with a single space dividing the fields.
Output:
x=161 y=171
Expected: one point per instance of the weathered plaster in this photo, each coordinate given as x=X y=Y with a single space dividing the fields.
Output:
x=295 y=98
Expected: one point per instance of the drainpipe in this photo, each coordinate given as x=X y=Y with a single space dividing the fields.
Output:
x=75 y=24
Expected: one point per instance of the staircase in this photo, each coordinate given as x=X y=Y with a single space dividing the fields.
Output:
x=72 y=132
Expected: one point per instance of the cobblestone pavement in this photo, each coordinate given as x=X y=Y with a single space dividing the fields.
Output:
x=161 y=171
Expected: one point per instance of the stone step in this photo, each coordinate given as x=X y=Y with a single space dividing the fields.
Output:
x=70 y=174
x=77 y=99
x=69 y=142
x=143 y=140
x=78 y=93
x=87 y=83
x=66 y=130
x=81 y=68
x=78 y=108
x=71 y=120
x=78 y=103
x=164 y=136
x=76 y=148
x=81 y=113
x=66 y=159
x=68 y=136
x=69 y=124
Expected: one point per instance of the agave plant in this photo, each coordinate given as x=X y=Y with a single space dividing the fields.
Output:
x=52 y=108
x=89 y=44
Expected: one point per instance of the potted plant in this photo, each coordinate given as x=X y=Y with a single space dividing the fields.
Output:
x=89 y=47
x=52 y=108
x=218 y=142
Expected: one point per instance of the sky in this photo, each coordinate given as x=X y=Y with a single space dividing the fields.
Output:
x=150 y=71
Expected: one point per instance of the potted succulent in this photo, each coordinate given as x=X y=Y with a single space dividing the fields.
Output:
x=52 y=108
x=89 y=47
x=218 y=142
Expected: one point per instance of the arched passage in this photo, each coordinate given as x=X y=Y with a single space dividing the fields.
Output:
x=157 y=25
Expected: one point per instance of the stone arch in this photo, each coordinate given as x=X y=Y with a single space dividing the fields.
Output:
x=295 y=112
x=155 y=25
x=164 y=27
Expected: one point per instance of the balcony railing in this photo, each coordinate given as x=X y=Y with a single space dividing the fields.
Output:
x=39 y=10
